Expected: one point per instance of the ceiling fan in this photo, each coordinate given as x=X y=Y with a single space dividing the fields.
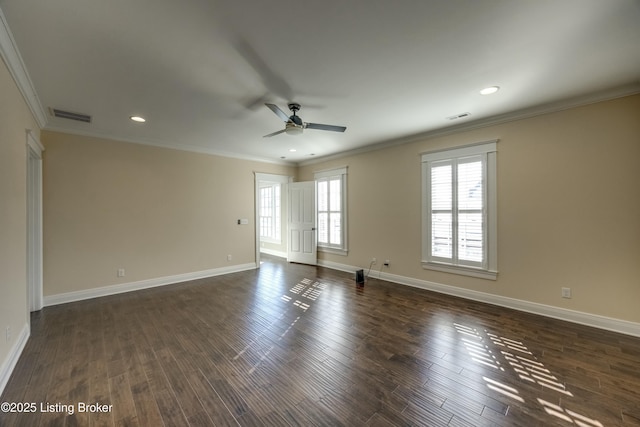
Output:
x=294 y=124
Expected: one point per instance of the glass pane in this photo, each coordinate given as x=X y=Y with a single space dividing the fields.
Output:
x=335 y=237
x=323 y=227
x=470 y=237
x=265 y=201
x=266 y=227
x=441 y=235
x=441 y=187
x=276 y=213
x=470 y=185
x=334 y=194
x=323 y=196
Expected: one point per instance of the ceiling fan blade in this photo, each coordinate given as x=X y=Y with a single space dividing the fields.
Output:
x=272 y=81
x=274 y=133
x=325 y=127
x=255 y=103
x=278 y=112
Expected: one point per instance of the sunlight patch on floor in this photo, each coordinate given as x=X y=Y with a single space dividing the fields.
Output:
x=489 y=349
x=503 y=389
x=568 y=415
x=527 y=367
x=477 y=349
x=305 y=289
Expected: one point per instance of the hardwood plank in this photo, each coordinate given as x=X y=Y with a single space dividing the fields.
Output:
x=213 y=405
x=238 y=350
x=185 y=396
x=122 y=404
x=170 y=409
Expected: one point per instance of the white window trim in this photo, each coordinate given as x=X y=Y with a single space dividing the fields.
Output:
x=490 y=268
x=341 y=171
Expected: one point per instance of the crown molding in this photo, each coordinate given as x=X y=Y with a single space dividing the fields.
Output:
x=180 y=147
x=11 y=56
x=538 y=110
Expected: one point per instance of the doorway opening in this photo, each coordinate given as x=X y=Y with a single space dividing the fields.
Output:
x=271 y=214
x=34 y=222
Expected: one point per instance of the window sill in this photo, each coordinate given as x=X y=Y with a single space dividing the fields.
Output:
x=464 y=271
x=335 y=251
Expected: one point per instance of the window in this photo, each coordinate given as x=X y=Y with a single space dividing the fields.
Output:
x=270 y=212
x=331 y=189
x=459 y=210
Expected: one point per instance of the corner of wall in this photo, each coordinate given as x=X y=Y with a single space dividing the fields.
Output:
x=12 y=358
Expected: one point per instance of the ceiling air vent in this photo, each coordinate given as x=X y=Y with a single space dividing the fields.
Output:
x=459 y=116
x=71 y=116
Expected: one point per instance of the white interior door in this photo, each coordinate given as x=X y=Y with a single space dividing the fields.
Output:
x=301 y=228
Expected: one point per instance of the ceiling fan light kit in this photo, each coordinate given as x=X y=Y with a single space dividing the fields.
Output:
x=293 y=129
x=294 y=124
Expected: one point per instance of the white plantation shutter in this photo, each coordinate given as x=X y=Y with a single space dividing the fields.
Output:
x=442 y=210
x=323 y=211
x=331 y=186
x=459 y=217
x=470 y=211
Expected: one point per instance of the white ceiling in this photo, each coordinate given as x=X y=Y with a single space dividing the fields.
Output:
x=199 y=70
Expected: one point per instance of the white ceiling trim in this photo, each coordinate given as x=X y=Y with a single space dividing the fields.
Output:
x=593 y=98
x=180 y=147
x=11 y=56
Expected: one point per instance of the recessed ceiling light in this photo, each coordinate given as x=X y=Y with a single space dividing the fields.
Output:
x=138 y=119
x=292 y=150
x=489 y=90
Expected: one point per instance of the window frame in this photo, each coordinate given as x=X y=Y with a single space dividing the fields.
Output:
x=276 y=212
x=488 y=267
x=328 y=175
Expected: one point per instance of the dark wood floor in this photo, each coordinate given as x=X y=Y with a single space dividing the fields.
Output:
x=298 y=345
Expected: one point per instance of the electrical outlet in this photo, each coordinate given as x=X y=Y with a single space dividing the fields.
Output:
x=8 y=333
x=386 y=263
x=229 y=257
x=566 y=292
x=121 y=272
x=373 y=261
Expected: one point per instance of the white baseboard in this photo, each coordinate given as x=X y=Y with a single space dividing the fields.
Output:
x=279 y=254
x=587 y=319
x=14 y=354
x=142 y=284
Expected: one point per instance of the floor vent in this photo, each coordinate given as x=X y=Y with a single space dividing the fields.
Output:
x=71 y=116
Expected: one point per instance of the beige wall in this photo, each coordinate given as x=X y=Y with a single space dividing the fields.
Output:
x=568 y=208
x=154 y=212
x=15 y=118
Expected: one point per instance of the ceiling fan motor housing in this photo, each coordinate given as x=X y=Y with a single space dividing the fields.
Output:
x=294 y=124
x=294 y=128
x=295 y=107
